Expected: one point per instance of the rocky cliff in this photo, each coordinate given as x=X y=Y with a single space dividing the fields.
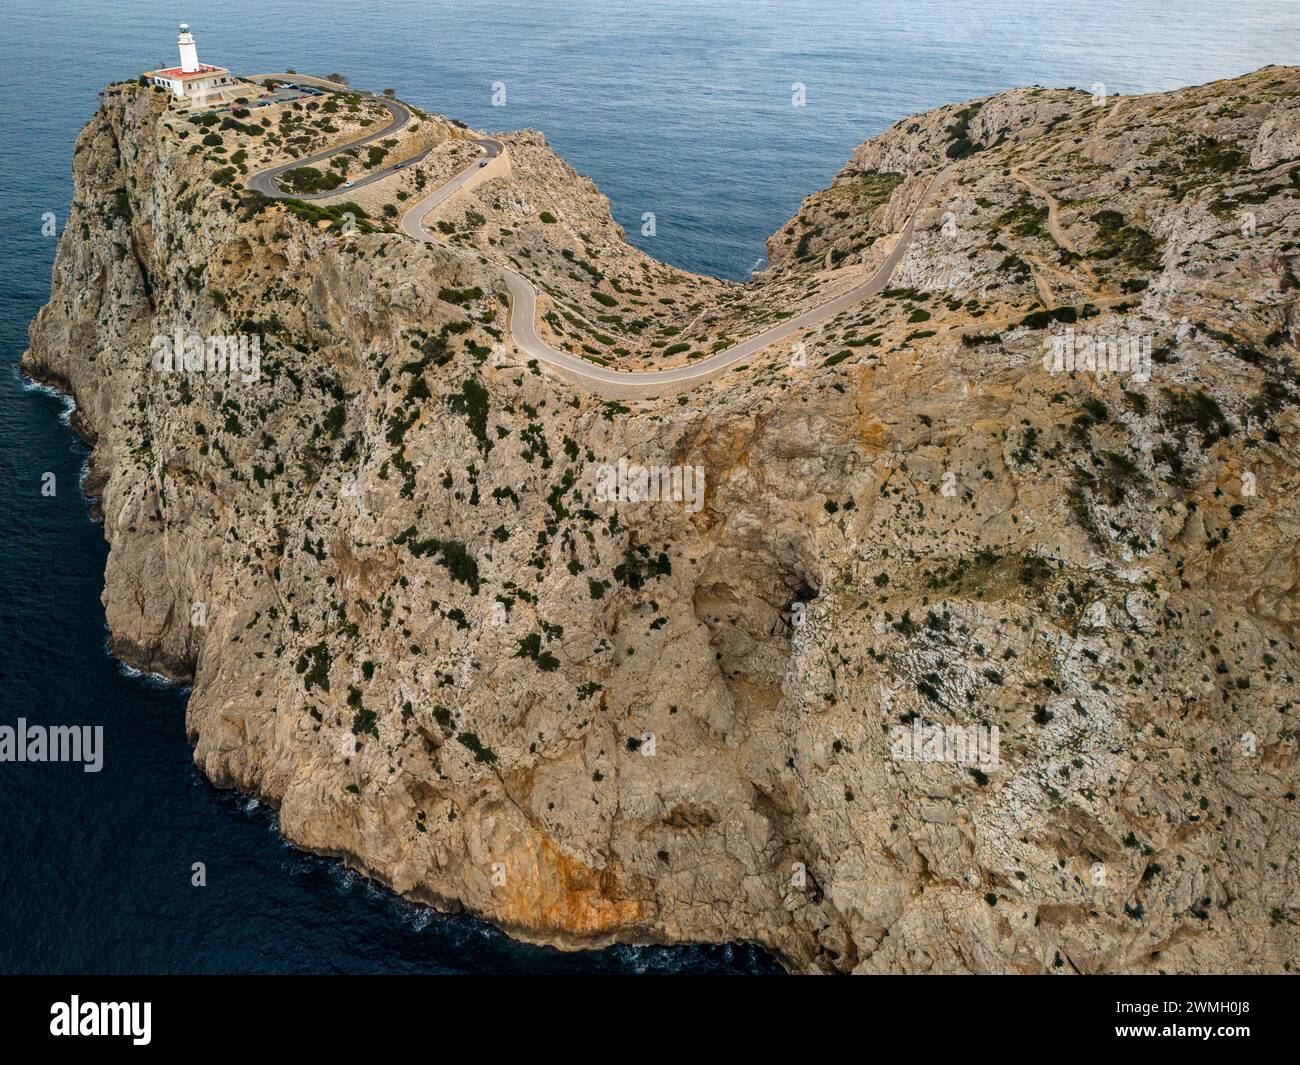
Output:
x=976 y=654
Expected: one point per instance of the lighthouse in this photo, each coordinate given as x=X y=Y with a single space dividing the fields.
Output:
x=189 y=51
x=203 y=84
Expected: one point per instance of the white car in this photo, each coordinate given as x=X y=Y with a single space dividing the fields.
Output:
x=348 y=184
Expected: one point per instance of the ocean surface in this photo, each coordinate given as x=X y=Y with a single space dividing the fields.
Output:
x=678 y=107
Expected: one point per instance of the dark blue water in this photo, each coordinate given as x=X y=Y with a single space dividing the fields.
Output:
x=679 y=107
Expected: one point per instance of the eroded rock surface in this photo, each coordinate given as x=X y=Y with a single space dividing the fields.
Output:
x=412 y=625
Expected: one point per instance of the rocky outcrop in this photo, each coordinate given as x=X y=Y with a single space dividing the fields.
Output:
x=976 y=654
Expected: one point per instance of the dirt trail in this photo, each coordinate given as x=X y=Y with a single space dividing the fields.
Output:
x=1094 y=287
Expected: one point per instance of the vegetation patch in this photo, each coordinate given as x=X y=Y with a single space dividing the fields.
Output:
x=960 y=145
x=454 y=555
x=1126 y=243
x=309 y=179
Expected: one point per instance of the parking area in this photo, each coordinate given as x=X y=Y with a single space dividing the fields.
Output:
x=279 y=95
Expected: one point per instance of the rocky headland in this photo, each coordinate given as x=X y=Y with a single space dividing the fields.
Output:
x=1041 y=489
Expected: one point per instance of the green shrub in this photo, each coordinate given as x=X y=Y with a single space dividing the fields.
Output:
x=960 y=145
x=460 y=296
x=309 y=179
x=1128 y=243
x=473 y=404
x=315 y=664
x=481 y=754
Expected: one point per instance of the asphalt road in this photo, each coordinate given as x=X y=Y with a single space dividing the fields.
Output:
x=264 y=182
x=523 y=303
x=410 y=223
x=523 y=297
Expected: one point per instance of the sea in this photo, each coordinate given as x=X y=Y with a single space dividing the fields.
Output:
x=715 y=116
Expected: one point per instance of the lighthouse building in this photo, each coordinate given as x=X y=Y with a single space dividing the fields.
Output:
x=191 y=78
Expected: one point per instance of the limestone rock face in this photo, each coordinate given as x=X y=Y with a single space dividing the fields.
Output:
x=977 y=653
x=1278 y=141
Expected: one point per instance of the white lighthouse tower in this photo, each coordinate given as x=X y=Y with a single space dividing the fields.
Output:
x=198 y=81
x=189 y=50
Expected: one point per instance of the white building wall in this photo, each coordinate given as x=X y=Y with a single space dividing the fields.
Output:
x=196 y=86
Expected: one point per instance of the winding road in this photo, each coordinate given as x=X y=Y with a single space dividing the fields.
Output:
x=523 y=296
x=264 y=181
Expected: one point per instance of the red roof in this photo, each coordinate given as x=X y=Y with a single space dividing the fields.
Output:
x=176 y=72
